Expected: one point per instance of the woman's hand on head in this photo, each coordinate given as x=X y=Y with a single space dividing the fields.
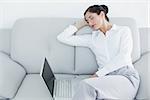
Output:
x=80 y=23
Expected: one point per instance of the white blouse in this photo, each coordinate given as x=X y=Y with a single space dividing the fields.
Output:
x=112 y=50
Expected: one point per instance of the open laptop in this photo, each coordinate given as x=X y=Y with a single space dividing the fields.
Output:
x=57 y=88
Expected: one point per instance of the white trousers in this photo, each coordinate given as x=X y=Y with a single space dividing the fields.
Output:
x=107 y=87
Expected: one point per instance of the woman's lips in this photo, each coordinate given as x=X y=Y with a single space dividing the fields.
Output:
x=93 y=26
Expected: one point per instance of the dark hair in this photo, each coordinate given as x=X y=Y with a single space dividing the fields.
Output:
x=97 y=9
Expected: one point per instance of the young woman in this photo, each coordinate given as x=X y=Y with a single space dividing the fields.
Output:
x=116 y=77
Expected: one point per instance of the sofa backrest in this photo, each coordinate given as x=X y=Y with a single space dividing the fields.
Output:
x=33 y=39
x=5 y=40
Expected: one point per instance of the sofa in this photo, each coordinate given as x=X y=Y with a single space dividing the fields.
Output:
x=24 y=46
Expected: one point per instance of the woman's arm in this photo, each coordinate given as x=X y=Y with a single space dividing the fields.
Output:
x=68 y=37
x=123 y=58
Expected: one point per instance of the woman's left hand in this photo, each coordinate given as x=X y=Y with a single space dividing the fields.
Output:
x=93 y=76
x=80 y=23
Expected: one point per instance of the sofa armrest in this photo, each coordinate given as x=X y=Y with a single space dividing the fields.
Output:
x=11 y=76
x=142 y=67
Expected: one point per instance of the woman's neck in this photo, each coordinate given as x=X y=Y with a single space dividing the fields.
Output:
x=105 y=27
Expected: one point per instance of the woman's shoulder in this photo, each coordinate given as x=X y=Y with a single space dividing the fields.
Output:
x=122 y=27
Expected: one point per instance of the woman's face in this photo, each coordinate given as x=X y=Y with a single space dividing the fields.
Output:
x=94 y=20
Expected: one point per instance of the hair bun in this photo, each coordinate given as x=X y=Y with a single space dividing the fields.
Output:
x=105 y=8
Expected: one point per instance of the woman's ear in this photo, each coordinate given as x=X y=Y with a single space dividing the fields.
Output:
x=102 y=14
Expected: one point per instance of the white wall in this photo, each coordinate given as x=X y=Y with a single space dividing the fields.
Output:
x=11 y=10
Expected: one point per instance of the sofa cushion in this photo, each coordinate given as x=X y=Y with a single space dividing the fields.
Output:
x=34 y=38
x=2 y=98
x=5 y=40
x=33 y=88
x=85 y=61
x=11 y=76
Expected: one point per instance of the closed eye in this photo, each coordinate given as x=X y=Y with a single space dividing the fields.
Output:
x=92 y=18
x=86 y=20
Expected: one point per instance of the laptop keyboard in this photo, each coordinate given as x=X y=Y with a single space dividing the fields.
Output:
x=63 y=88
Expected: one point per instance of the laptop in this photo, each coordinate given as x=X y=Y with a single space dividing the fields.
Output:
x=57 y=88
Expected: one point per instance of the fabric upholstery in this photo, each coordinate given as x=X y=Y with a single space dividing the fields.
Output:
x=142 y=67
x=33 y=88
x=11 y=76
x=2 y=98
x=144 y=37
x=5 y=40
x=34 y=38
x=88 y=65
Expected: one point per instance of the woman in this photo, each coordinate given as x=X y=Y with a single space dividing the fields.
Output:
x=116 y=77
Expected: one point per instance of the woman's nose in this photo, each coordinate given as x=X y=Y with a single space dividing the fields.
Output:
x=90 y=24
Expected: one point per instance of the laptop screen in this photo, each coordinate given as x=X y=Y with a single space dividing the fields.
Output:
x=48 y=76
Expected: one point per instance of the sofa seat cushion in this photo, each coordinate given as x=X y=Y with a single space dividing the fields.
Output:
x=33 y=88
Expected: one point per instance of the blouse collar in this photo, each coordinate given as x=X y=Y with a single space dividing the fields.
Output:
x=114 y=27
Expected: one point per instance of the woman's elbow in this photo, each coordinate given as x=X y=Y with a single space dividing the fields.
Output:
x=59 y=38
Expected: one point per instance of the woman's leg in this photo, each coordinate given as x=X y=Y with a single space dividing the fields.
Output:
x=84 y=92
x=113 y=87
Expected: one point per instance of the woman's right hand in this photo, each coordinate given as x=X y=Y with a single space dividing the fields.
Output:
x=80 y=23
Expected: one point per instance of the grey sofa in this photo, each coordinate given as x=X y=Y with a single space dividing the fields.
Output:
x=24 y=46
